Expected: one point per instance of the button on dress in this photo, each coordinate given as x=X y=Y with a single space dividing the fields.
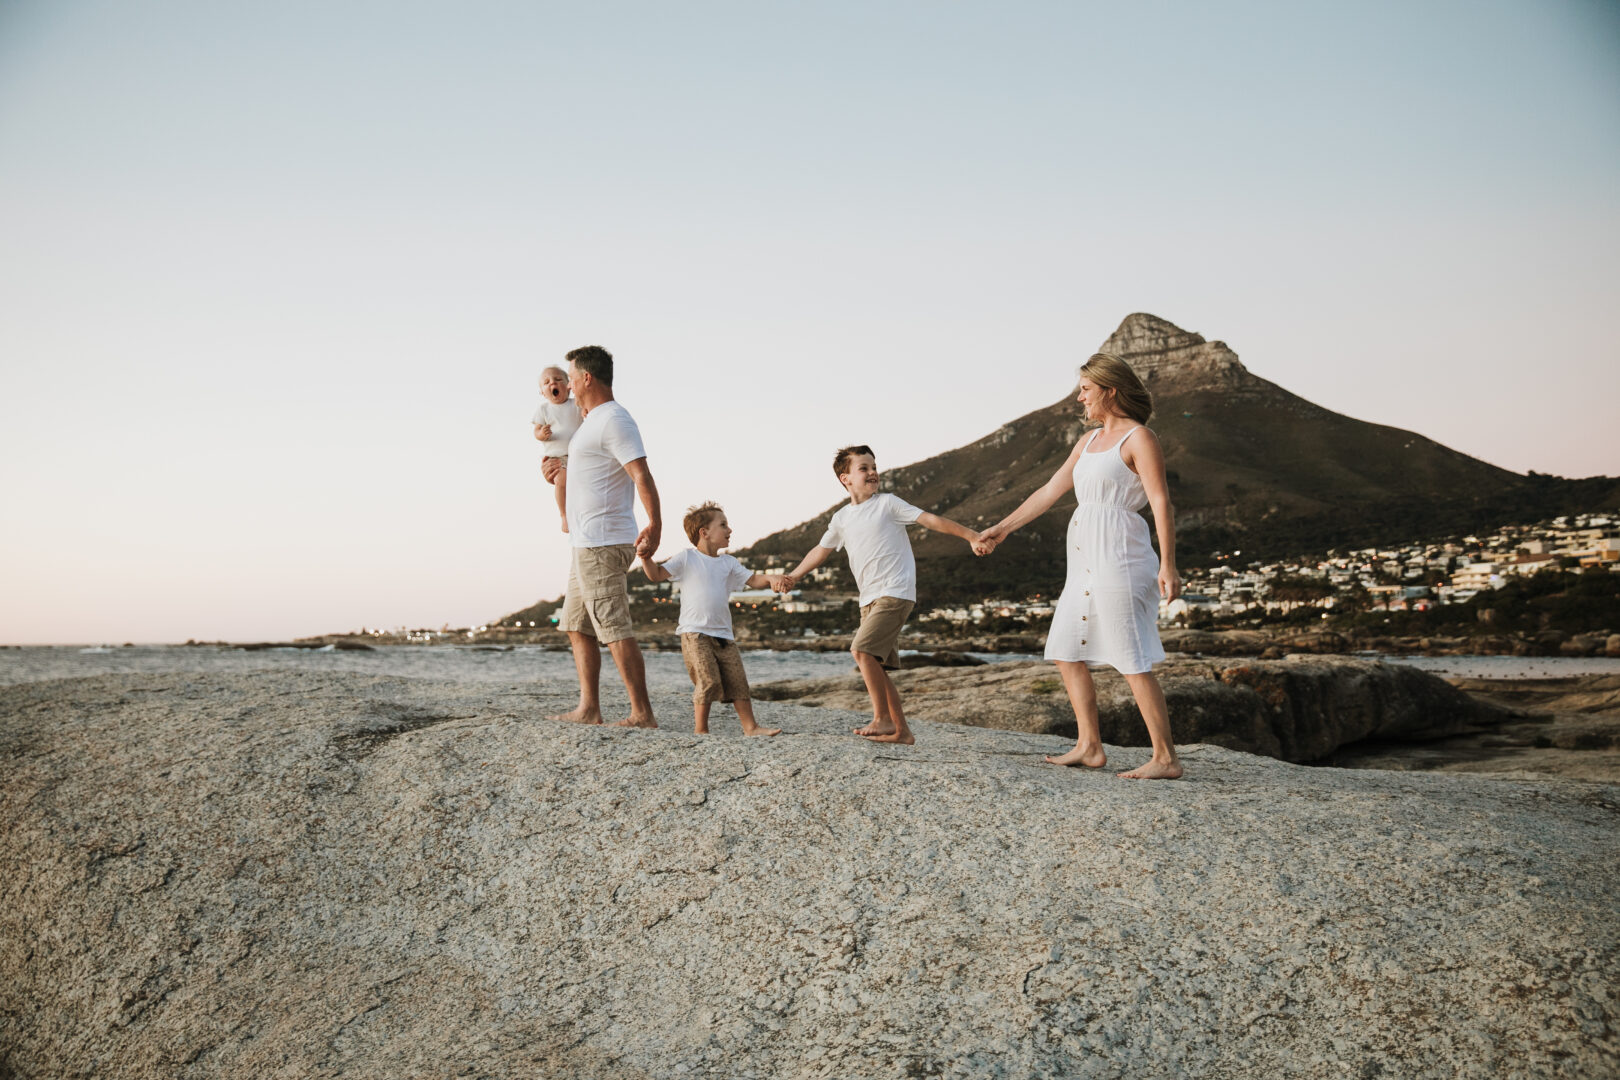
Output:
x=1109 y=610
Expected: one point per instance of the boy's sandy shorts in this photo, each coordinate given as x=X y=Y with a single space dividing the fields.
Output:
x=879 y=634
x=598 y=595
x=562 y=459
x=715 y=667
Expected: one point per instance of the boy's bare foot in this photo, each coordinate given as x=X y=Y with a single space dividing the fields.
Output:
x=1094 y=757
x=637 y=721
x=1155 y=770
x=766 y=731
x=904 y=738
x=579 y=716
x=876 y=727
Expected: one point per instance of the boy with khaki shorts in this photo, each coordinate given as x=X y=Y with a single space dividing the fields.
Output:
x=873 y=528
x=707 y=579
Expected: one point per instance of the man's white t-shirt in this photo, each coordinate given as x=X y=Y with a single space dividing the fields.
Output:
x=564 y=420
x=707 y=583
x=879 y=548
x=601 y=495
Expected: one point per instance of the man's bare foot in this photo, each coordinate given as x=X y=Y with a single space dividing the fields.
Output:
x=580 y=715
x=1155 y=770
x=766 y=731
x=637 y=721
x=1093 y=757
x=904 y=738
x=876 y=727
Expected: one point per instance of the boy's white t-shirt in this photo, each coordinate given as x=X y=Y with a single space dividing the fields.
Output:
x=707 y=583
x=879 y=549
x=564 y=420
x=601 y=495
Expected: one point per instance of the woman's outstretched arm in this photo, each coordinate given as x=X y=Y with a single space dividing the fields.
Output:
x=1039 y=502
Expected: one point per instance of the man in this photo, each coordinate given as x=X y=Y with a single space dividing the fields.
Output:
x=607 y=468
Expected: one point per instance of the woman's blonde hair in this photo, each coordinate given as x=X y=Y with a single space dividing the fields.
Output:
x=1111 y=373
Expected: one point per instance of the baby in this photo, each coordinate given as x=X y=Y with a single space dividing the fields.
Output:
x=707 y=579
x=555 y=422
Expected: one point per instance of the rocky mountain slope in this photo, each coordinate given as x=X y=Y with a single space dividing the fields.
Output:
x=297 y=874
x=1251 y=466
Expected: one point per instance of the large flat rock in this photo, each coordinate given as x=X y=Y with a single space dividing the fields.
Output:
x=1298 y=709
x=284 y=875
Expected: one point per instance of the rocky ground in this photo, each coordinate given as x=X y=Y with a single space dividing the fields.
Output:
x=1558 y=727
x=301 y=875
x=1297 y=709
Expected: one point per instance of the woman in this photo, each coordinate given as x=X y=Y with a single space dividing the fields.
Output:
x=1108 y=613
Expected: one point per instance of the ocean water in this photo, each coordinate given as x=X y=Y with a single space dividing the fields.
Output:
x=449 y=662
x=530 y=663
x=1512 y=667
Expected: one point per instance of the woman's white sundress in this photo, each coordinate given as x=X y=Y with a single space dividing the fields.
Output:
x=1109 y=610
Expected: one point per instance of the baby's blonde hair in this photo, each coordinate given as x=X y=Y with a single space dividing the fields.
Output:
x=548 y=370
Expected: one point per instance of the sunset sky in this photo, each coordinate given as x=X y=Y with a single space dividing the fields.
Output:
x=278 y=279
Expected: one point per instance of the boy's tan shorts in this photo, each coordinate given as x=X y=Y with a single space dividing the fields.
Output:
x=598 y=595
x=879 y=634
x=715 y=668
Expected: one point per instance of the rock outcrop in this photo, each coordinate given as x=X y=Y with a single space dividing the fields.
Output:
x=1297 y=709
x=279 y=874
x=1158 y=349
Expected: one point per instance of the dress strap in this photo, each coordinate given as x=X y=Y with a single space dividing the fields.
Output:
x=1119 y=445
x=1094 y=433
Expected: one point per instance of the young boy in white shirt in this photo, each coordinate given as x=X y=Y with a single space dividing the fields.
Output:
x=873 y=527
x=707 y=579
x=555 y=420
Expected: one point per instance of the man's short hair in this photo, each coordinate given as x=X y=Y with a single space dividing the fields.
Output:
x=842 y=458
x=594 y=361
x=698 y=518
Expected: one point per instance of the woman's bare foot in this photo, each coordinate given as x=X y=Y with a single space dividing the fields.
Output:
x=876 y=727
x=1093 y=757
x=904 y=738
x=766 y=731
x=637 y=721
x=1155 y=770
x=580 y=715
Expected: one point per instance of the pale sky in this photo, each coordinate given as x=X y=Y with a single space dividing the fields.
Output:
x=278 y=279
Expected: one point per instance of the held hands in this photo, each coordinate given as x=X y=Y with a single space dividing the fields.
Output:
x=647 y=542
x=988 y=540
x=783 y=583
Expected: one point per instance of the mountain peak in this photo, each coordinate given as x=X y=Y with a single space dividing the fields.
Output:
x=1158 y=349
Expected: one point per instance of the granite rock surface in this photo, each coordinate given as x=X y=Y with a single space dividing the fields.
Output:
x=296 y=875
x=1298 y=709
